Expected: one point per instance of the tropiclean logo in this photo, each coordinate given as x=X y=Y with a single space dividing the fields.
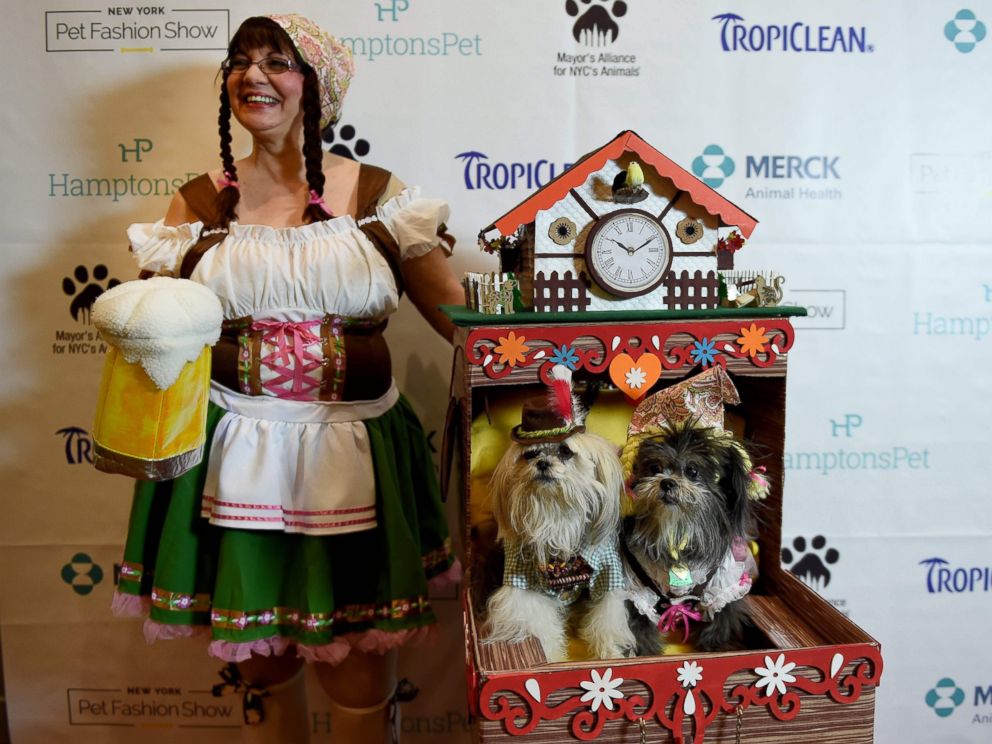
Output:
x=736 y=35
x=483 y=173
x=943 y=578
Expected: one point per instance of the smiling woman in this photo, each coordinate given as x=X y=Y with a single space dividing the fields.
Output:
x=313 y=526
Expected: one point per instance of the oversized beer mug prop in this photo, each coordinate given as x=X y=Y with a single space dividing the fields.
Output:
x=152 y=410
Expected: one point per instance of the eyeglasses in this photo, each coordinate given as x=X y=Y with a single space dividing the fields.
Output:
x=268 y=65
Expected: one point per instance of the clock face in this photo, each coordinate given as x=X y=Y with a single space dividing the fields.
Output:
x=628 y=252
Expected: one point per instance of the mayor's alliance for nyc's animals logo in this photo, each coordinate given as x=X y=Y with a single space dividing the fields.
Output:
x=596 y=26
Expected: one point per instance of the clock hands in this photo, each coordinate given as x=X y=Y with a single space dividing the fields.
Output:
x=630 y=251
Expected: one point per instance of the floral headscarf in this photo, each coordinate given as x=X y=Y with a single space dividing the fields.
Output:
x=325 y=54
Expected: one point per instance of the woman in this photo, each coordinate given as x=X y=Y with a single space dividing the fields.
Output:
x=312 y=528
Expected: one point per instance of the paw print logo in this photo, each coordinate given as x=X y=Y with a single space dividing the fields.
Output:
x=595 y=25
x=713 y=166
x=344 y=146
x=84 y=292
x=82 y=574
x=964 y=30
x=810 y=567
x=945 y=697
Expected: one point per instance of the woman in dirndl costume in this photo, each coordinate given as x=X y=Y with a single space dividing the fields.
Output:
x=313 y=527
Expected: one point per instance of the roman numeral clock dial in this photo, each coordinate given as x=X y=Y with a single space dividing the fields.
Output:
x=628 y=252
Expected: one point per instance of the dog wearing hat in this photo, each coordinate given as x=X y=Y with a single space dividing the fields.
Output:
x=686 y=541
x=556 y=496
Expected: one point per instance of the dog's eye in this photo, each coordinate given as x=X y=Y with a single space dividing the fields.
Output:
x=691 y=471
x=564 y=452
x=530 y=454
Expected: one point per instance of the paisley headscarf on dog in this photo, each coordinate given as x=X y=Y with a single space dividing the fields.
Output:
x=700 y=400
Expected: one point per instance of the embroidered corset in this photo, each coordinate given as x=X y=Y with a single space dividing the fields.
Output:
x=304 y=360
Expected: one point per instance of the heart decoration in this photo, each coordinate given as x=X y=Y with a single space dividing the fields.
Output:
x=635 y=378
x=534 y=688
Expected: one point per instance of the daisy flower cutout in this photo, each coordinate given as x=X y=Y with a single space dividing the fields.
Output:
x=752 y=340
x=775 y=675
x=703 y=352
x=511 y=349
x=636 y=377
x=566 y=356
x=602 y=690
x=690 y=674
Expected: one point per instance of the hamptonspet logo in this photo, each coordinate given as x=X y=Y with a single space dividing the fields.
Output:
x=449 y=44
x=846 y=458
x=965 y=31
x=737 y=35
x=482 y=173
x=713 y=166
x=82 y=574
x=945 y=697
x=943 y=578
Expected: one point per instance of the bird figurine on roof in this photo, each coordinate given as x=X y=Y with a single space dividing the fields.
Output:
x=628 y=185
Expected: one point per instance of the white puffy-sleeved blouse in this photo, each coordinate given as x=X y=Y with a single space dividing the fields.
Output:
x=295 y=465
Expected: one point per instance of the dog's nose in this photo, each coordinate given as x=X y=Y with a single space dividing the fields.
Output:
x=543 y=465
x=667 y=484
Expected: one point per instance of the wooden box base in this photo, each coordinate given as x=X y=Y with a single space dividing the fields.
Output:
x=809 y=673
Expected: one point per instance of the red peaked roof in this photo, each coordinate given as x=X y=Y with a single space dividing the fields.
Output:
x=698 y=191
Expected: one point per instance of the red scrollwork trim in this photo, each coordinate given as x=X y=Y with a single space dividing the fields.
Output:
x=498 y=350
x=679 y=690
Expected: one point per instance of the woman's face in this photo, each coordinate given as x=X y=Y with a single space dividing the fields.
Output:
x=269 y=105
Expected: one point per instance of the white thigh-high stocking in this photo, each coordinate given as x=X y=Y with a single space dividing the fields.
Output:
x=285 y=719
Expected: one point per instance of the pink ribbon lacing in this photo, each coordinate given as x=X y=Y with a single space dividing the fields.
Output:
x=671 y=616
x=292 y=358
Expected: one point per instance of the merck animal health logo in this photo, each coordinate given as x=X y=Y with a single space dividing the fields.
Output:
x=737 y=35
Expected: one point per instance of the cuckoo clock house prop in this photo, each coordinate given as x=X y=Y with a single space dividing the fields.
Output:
x=625 y=228
x=807 y=672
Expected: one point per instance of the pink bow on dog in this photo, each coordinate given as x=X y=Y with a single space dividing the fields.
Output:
x=671 y=616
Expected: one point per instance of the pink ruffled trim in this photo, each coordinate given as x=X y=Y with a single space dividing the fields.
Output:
x=372 y=641
x=447 y=579
x=232 y=651
x=164 y=632
x=369 y=641
x=129 y=605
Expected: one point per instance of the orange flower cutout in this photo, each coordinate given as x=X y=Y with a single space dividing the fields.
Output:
x=512 y=349
x=752 y=340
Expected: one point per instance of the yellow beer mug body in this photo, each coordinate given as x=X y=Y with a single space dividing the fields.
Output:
x=152 y=408
x=145 y=432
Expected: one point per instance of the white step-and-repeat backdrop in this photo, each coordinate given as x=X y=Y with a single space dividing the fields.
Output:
x=857 y=133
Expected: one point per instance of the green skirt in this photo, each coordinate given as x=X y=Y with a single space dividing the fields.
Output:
x=263 y=590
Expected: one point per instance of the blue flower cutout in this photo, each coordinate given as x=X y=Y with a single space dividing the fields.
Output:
x=703 y=352
x=565 y=355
